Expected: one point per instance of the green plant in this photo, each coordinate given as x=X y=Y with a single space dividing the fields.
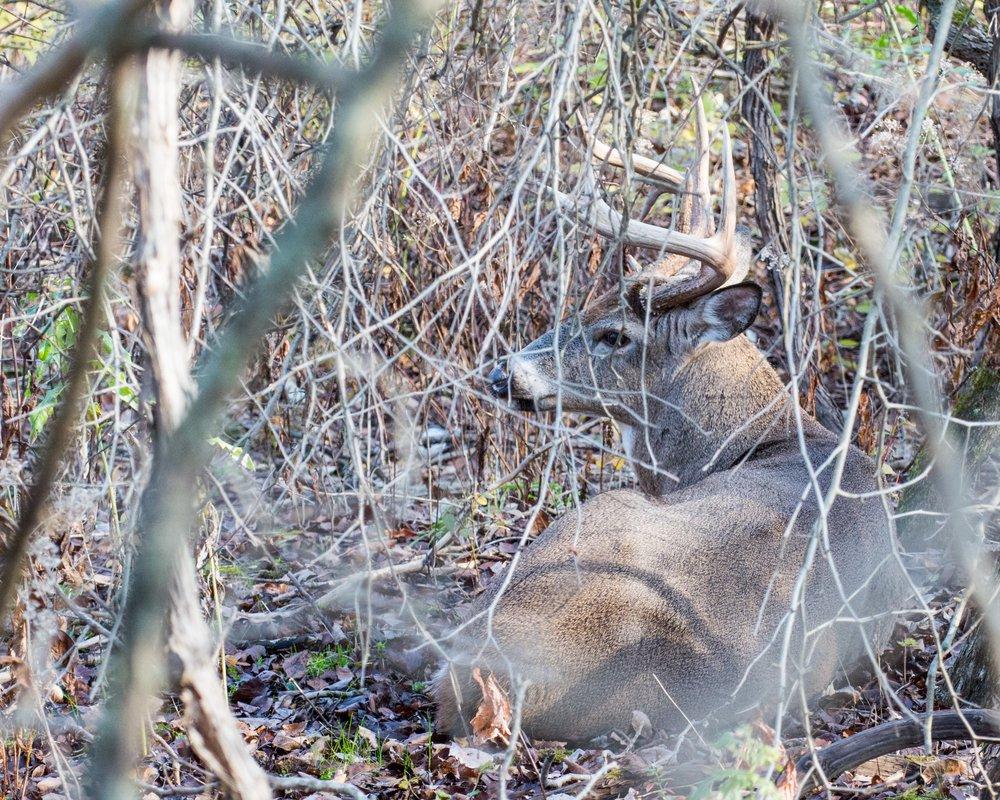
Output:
x=559 y=754
x=353 y=744
x=340 y=657
x=445 y=523
x=596 y=74
x=744 y=761
x=25 y=30
x=556 y=496
x=51 y=361
x=237 y=454
x=922 y=794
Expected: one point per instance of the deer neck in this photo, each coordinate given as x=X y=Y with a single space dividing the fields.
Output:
x=721 y=405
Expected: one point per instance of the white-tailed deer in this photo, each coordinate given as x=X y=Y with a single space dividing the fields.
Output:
x=736 y=574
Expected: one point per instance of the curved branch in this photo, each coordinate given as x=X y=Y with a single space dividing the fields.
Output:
x=253 y=57
x=66 y=417
x=834 y=760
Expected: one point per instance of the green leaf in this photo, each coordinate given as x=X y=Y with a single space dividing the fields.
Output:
x=40 y=414
x=526 y=67
x=237 y=454
x=908 y=14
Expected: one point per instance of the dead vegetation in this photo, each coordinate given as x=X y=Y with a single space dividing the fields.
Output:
x=363 y=485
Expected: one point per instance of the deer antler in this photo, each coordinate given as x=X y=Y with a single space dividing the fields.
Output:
x=674 y=280
x=672 y=179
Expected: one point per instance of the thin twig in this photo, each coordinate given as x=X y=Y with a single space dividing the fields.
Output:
x=67 y=416
x=167 y=511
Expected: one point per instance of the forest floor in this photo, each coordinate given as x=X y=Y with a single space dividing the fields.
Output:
x=328 y=698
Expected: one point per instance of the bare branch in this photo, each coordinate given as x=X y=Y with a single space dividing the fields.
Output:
x=167 y=511
x=67 y=417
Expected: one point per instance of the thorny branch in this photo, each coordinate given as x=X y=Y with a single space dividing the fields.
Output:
x=68 y=416
x=167 y=511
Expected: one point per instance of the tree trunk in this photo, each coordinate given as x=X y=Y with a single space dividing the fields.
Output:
x=973 y=672
x=993 y=75
x=755 y=109
x=967 y=40
x=978 y=401
x=158 y=184
x=212 y=730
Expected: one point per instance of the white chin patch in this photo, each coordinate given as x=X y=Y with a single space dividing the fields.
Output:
x=527 y=378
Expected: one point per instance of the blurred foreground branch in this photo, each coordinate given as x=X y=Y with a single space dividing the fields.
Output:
x=167 y=511
x=60 y=433
x=102 y=27
x=250 y=56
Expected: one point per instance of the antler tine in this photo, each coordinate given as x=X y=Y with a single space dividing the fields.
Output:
x=696 y=207
x=718 y=253
x=650 y=168
x=737 y=268
x=608 y=222
x=672 y=282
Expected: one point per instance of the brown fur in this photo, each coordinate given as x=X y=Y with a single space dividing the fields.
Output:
x=675 y=600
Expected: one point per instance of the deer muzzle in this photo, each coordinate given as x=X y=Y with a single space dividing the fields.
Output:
x=521 y=384
x=499 y=382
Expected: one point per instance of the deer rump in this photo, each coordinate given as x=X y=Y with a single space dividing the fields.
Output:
x=682 y=607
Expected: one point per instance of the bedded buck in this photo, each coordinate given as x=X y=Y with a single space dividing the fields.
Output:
x=719 y=584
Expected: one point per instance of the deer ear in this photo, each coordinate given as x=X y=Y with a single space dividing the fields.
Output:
x=727 y=312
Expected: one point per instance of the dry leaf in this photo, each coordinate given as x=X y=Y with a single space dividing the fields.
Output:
x=641 y=724
x=934 y=769
x=788 y=780
x=282 y=741
x=46 y=785
x=886 y=769
x=492 y=720
x=470 y=757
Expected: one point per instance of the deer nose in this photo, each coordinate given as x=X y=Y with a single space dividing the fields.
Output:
x=499 y=382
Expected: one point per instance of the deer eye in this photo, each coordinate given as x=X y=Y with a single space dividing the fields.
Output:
x=613 y=339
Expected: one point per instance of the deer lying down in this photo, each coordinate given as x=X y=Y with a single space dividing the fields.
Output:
x=718 y=584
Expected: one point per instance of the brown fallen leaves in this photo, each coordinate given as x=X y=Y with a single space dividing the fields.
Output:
x=492 y=720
